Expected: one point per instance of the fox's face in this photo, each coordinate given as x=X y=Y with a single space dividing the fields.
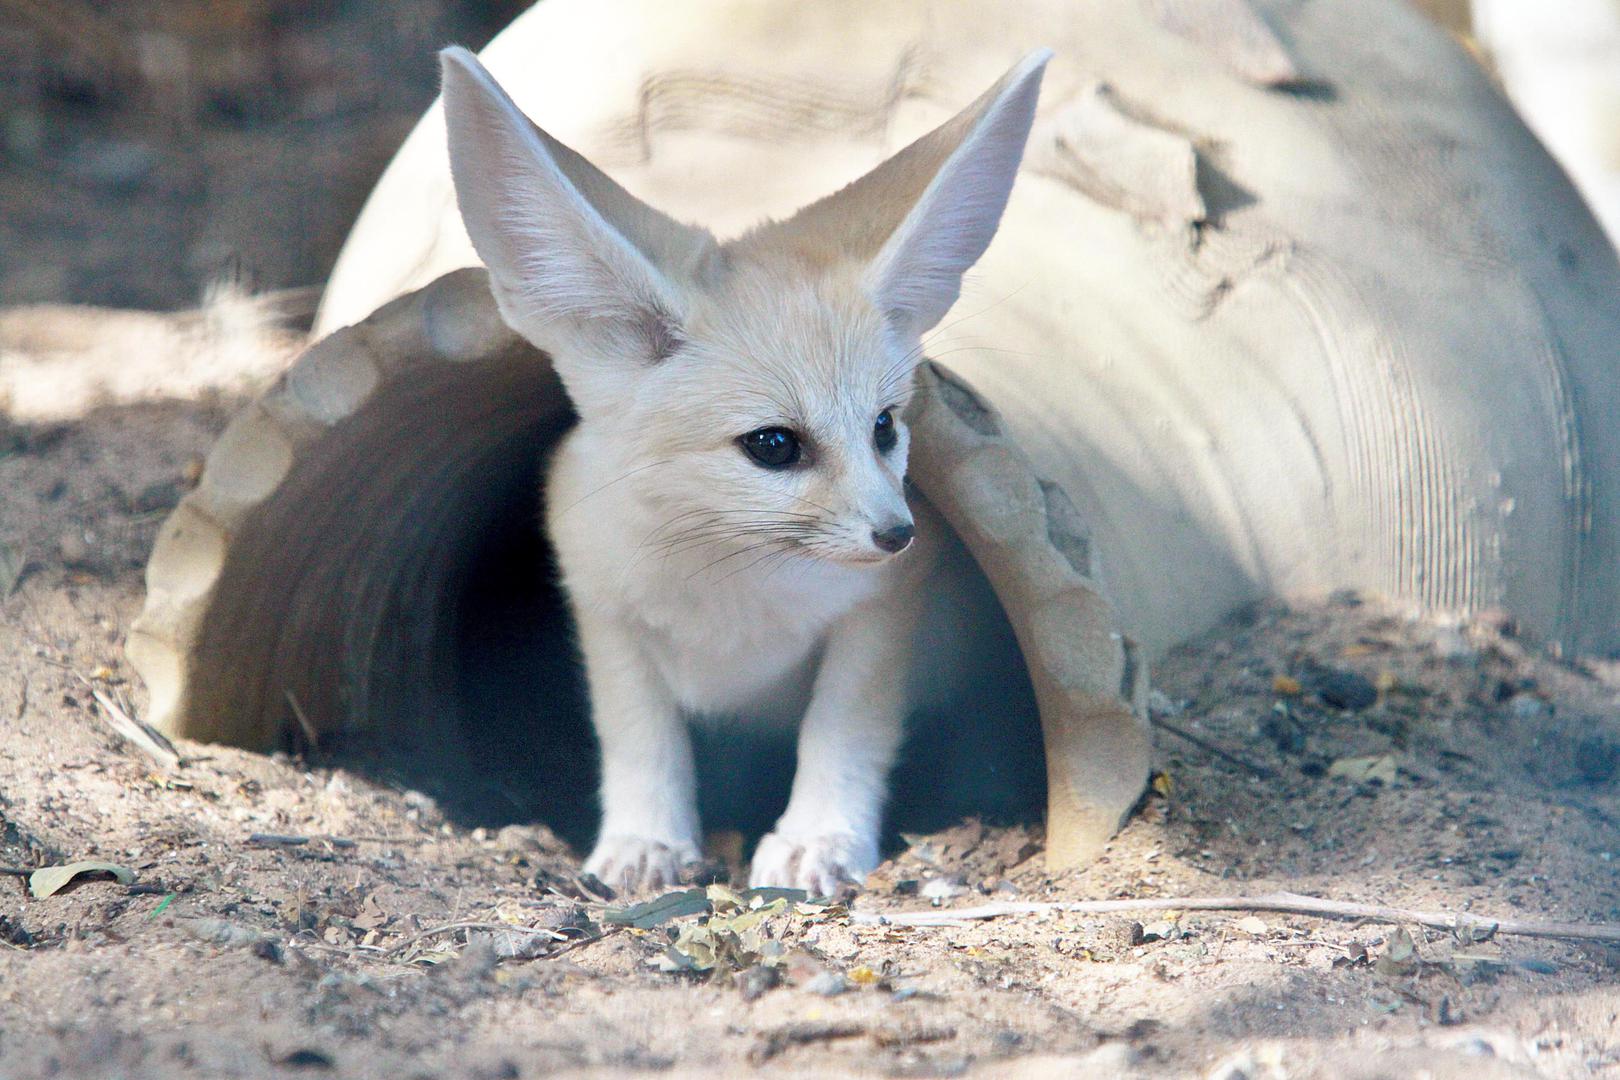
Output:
x=752 y=392
x=773 y=426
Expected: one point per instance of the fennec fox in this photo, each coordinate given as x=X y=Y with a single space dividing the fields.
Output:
x=729 y=514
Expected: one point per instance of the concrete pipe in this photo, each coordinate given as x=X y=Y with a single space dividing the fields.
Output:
x=338 y=570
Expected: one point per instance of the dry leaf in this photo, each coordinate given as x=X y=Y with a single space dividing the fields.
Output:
x=1365 y=770
x=49 y=880
x=371 y=915
x=659 y=910
x=222 y=933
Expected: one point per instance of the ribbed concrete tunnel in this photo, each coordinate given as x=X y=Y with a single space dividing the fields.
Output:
x=361 y=574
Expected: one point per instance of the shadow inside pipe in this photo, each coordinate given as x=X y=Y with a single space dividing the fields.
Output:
x=510 y=742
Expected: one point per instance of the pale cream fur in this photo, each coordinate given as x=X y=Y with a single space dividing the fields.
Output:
x=703 y=584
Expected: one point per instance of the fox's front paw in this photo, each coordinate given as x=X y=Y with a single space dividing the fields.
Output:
x=817 y=864
x=633 y=863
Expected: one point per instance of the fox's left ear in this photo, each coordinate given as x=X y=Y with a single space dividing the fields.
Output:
x=924 y=216
x=577 y=264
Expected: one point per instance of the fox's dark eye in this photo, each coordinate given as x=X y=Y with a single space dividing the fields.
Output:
x=772 y=447
x=883 y=431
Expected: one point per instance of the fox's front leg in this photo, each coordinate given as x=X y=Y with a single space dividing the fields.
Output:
x=649 y=803
x=851 y=732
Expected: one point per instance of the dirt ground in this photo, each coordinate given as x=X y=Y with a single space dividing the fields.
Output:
x=1361 y=756
x=292 y=917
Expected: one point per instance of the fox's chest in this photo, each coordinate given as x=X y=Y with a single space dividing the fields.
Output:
x=740 y=648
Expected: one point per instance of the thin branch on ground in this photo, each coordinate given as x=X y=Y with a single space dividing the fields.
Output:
x=311 y=736
x=272 y=840
x=434 y=931
x=143 y=735
x=1466 y=924
x=1210 y=748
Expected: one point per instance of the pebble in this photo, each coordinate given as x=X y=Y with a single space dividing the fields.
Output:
x=74 y=550
x=1526 y=706
x=1239 y=1068
x=1160 y=703
x=827 y=984
x=1111 y=1059
x=1343 y=689
x=517 y=838
x=753 y=982
x=162 y=495
x=1453 y=646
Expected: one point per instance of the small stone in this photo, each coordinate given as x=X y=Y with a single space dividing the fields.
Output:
x=1164 y=930
x=1453 y=646
x=755 y=981
x=1341 y=689
x=1240 y=1067
x=72 y=546
x=1161 y=704
x=1286 y=685
x=1110 y=1059
x=827 y=984
x=1526 y=706
x=162 y=495
x=1284 y=731
x=515 y=838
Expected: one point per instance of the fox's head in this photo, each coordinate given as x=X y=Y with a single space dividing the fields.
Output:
x=753 y=390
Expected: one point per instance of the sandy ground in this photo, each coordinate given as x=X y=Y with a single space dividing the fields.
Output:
x=1494 y=791
x=1495 y=773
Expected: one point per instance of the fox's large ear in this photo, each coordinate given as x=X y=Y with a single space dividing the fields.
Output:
x=924 y=216
x=578 y=265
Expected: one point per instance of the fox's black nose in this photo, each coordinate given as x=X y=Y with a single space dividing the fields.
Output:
x=894 y=538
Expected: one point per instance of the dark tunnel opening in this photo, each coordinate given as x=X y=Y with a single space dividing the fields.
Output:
x=510 y=740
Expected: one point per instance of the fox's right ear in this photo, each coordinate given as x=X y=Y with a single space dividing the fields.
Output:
x=921 y=219
x=577 y=264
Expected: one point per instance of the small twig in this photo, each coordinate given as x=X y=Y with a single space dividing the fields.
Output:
x=1288 y=903
x=802 y=1034
x=1208 y=747
x=311 y=736
x=299 y=840
x=142 y=735
x=447 y=928
x=22 y=701
x=16 y=871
